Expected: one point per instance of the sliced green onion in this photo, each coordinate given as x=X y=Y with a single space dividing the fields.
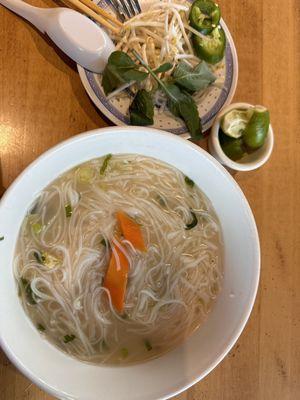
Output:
x=148 y=345
x=40 y=258
x=105 y=164
x=86 y=174
x=189 y=181
x=69 y=338
x=124 y=352
x=28 y=291
x=1 y=238
x=69 y=211
x=37 y=228
x=193 y=223
x=41 y=327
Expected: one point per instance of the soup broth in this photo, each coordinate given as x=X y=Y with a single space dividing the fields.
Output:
x=166 y=255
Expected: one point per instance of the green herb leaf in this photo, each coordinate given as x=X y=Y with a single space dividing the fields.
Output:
x=105 y=164
x=41 y=327
x=189 y=181
x=40 y=258
x=120 y=69
x=124 y=352
x=141 y=109
x=148 y=345
x=193 y=223
x=1 y=238
x=68 y=210
x=193 y=79
x=69 y=338
x=181 y=104
x=28 y=291
x=163 y=68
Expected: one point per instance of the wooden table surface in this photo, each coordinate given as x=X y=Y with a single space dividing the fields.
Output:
x=42 y=102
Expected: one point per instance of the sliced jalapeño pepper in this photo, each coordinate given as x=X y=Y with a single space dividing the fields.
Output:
x=204 y=16
x=210 y=48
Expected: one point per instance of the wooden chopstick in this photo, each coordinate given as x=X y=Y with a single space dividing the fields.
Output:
x=86 y=10
x=102 y=12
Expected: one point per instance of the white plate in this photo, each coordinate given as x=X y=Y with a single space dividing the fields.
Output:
x=116 y=109
x=68 y=378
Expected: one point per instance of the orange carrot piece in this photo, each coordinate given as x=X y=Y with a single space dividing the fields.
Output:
x=116 y=279
x=131 y=231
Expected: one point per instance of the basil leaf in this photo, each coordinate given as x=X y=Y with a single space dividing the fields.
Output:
x=182 y=105
x=141 y=109
x=163 y=68
x=193 y=79
x=134 y=75
x=120 y=68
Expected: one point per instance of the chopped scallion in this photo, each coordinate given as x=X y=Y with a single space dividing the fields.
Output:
x=69 y=338
x=69 y=211
x=41 y=327
x=193 y=223
x=105 y=164
x=1 y=238
x=40 y=258
x=37 y=228
x=189 y=181
x=29 y=293
x=86 y=174
x=124 y=352
x=148 y=345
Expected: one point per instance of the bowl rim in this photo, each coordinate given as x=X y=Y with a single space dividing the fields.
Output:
x=216 y=148
x=177 y=388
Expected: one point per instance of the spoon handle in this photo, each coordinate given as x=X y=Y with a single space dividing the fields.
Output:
x=35 y=15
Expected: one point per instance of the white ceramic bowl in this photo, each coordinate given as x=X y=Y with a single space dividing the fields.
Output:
x=67 y=378
x=249 y=161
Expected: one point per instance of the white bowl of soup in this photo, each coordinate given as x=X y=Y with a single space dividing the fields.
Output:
x=130 y=264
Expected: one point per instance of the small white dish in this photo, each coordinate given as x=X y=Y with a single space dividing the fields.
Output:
x=68 y=378
x=212 y=101
x=250 y=161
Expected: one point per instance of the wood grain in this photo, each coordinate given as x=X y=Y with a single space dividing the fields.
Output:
x=42 y=102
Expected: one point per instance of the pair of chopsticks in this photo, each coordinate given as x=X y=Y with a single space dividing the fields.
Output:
x=98 y=14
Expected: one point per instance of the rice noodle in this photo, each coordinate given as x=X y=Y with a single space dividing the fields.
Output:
x=171 y=286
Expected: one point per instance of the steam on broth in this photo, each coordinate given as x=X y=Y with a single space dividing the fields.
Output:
x=96 y=294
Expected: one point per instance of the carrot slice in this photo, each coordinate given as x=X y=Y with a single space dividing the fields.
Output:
x=131 y=231
x=116 y=278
